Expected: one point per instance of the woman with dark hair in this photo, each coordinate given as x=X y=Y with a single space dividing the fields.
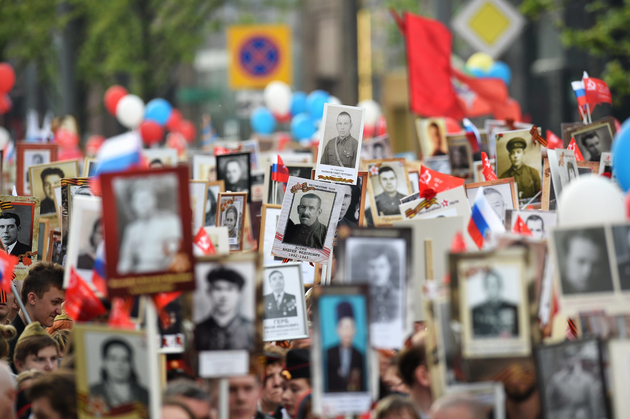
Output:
x=86 y=259
x=119 y=381
x=211 y=209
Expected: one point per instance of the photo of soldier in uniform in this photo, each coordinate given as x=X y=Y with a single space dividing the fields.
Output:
x=494 y=316
x=571 y=380
x=235 y=171
x=378 y=148
x=518 y=157
x=594 y=140
x=390 y=183
x=350 y=214
x=284 y=317
x=278 y=303
x=311 y=227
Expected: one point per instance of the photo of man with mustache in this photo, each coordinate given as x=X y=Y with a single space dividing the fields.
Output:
x=310 y=232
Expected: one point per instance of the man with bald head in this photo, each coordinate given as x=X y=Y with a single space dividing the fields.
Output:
x=8 y=392
x=460 y=406
x=309 y=232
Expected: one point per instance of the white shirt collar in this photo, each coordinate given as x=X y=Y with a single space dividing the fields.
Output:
x=10 y=248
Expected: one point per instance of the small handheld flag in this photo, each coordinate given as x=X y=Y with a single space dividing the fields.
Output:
x=7 y=265
x=487 y=171
x=521 y=228
x=472 y=134
x=483 y=220
x=280 y=172
x=576 y=150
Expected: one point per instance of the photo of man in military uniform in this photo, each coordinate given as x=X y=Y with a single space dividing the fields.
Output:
x=278 y=303
x=384 y=283
x=527 y=178
x=342 y=150
x=310 y=232
x=387 y=202
x=495 y=317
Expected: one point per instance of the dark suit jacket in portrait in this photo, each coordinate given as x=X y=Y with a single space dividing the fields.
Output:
x=237 y=334
x=138 y=393
x=353 y=381
x=47 y=206
x=286 y=308
x=20 y=249
x=495 y=319
x=310 y=236
x=240 y=186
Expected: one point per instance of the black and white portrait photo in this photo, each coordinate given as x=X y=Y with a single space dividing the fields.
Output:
x=494 y=302
x=582 y=261
x=16 y=229
x=351 y=209
x=198 y=190
x=235 y=171
x=501 y=196
x=149 y=224
x=440 y=164
x=274 y=191
x=621 y=237
x=171 y=332
x=45 y=177
x=212 y=198
x=390 y=183
x=460 y=155
x=567 y=165
x=594 y=140
x=378 y=148
x=284 y=317
x=33 y=158
x=232 y=215
x=309 y=219
x=86 y=235
x=571 y=380
x=540 y=223
x=518 y=157
x=340 y=146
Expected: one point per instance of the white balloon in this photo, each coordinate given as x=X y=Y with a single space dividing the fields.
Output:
x=334 y=100
x=277 y=97
x=372 y=111
x=5 y=137
x=130 y=111
x=591 y=200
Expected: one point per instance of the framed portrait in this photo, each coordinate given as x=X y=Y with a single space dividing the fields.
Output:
x=491 y=289
x=58 y=201
x=380 y=258
x=106 y=357
x=252 y=147
x=308 y=220
x=478 y=170
x=619 y=366
x=204 y=167
x=548 y=201
x=234 y=170
x=69 y=189
x=519 y=157
x=341 y=325
x=567 y=369
x=378 y=148
x=432 y=135
x=460 y=156
x=19 y=223
x=42 y=239
x=212 y=197
x=147 y=231
x=274 y=191
x=270 y=216
x=352 y=212
x=159 y=158
x=593 y=139
x=414 y=181
x=500 y=193
x=198 y=202
x=338 y=154
x=31 y=154
x=540 y=223
x=45 y=176
x=231 y=214
x=440 y=164
x=556 y=176
x=621 y=267
x=284 y=317
x=388 y=184
x=56 y=252
x=491 y=394
x=258 y=186
x=496 y=126
x=567 y=166
x=89 y=166
x=86 y=236
x=224 y=313
x=172 y=338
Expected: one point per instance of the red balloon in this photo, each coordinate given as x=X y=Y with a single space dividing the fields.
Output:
x=174 y=120
x=381 y=126
x=188 y=130
x=7 y=77
x=452 y=126
x=283 y=118
x=113 y=96
x=66 y=139
x=151 y=132
x=5 y=104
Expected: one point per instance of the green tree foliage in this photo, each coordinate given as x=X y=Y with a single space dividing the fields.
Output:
x=608 y=37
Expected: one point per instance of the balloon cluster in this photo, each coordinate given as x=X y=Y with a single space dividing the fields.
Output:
x=305 y=112
x=150 y=119
x=7 y=81
x=482 y=65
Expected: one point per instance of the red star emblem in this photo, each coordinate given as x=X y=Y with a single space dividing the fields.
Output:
x=444 y=203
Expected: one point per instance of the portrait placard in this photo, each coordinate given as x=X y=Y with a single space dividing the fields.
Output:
x=274 y=191
x=31 y=154
x=204 y=167
x=567 y=166
x=432 y=135
x=460 y=156
x=341 y=327
x=69 y=189
x=540 y=223
x=56 y=251
x=159 y=158
x=231 y=214
x=42 y=239
x=235 y=171
x=619 y=367
x=592 y=139
x=172 y=337
x=284 y=317
x=440 y=164
x=500 y=193
x=378 y=148
x=414 y=181
x=105 y=358
x=388 y=184
x=198 y=201
x=148 y=239
x=353 y=207
x=45 y=176
x=519 y=157
x=308 y=220
x=494 y=127
x=89 y=166
x=19 y=225
x=86 y=236
x=252 y=147
x=212 y=197
x=340 y=145
x=224 y=313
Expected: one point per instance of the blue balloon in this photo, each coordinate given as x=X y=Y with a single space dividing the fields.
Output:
x=158 y=110
x=298 y=103
x=302 y=127
x=477 y=72
x=262 y=121
x=621 y=151
x=315 y=103
x=501 y=70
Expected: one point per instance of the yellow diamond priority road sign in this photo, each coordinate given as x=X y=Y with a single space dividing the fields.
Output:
x=489 y=26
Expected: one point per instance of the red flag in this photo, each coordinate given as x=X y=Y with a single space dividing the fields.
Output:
x=575 y=149
x=202 y=240
x=81 y=302
x=597 y=91
x=521 y=228
x=219 y=151
x=7 y=265
x=120 y=315
x=553 y=141
x=487 y=171
x=439 y=182
x=458 y=245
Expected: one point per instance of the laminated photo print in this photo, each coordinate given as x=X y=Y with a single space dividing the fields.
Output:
x=224 y=313
x=432 y=134
x=198 y=201
x=284 y=317
x=519 y=157
x=44 y=177
x=593 y=139
x=378 y=148
x=340 y=352
x=308 y=220
x=212 y=199
x=19 y=225
x=340 y=146
x=231 y=214
x=567 y=166
x=540 y=223
x=204 y=167
x=388 y=184
x=86 y=237
x=501 y=195
x=235 y=171
x=31 y=154
x=69 y=189
x=172 y=338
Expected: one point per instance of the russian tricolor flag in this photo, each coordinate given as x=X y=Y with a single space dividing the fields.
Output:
x=279 y=172
x=472 y=133
x=580 y=93
x=483 y=220
x=119 y=153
